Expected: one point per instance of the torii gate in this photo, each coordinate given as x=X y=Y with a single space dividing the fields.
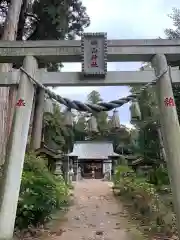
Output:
x=94 y=50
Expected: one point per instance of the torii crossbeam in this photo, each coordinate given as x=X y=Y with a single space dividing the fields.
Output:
x=72 y=79
x=94 y=52
x=70 y=51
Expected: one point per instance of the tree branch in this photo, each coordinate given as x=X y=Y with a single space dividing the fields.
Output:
x=32 y=16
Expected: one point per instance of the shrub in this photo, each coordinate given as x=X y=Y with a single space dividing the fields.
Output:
x=120 y=172
x=144 y=200
x=158 y=176
x=40 y=193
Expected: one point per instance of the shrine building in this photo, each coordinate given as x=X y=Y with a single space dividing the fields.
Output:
x=89 y=155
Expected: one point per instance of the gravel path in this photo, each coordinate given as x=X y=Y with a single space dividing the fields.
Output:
x=95 y=214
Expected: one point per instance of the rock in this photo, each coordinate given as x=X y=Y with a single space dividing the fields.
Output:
x=117 y=228
x=57 y=233
x=91 y=225
x=174 y=237
x=60 y=232
x=99 y=232
x=27 y=235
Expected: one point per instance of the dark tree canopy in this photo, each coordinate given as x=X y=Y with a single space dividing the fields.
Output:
x=48 y=20
x=51 y=20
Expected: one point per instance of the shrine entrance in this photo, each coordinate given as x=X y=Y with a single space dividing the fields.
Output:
x=92 y=165
x=93 y=156
x=94 y=50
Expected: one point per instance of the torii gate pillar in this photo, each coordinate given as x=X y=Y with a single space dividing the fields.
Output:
x=13 y=168
x=36 y=134
x=170 y=128
x=37 y=126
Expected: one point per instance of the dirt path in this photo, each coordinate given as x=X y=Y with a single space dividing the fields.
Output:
x=95 y=215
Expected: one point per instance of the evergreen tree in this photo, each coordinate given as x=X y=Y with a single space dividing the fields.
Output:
x=102 y=118
x=48 y=20
x=148 y=144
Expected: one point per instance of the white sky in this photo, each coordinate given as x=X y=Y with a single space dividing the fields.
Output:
x=122 y=19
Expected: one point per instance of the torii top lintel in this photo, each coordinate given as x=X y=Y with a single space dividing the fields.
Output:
x=71 y=50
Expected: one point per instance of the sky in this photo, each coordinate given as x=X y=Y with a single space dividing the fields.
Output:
x=121 y=19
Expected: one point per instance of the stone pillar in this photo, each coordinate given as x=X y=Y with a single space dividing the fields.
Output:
x=170 y=128
x=58 y=169
x=77 y=179
x=36 y=134
x=16 y=151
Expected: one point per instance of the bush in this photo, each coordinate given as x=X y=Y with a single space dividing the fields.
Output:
x=159 y=176
x=144 y=200
x=120 y=172
x=40 y=194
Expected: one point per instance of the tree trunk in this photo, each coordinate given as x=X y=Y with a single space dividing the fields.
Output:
x=8 y=95
x=22 y=20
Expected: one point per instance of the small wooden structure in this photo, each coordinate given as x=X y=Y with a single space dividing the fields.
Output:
x=140 y=166
x=53 y=155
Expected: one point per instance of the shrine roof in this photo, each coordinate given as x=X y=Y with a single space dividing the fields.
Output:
x=93 y=150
